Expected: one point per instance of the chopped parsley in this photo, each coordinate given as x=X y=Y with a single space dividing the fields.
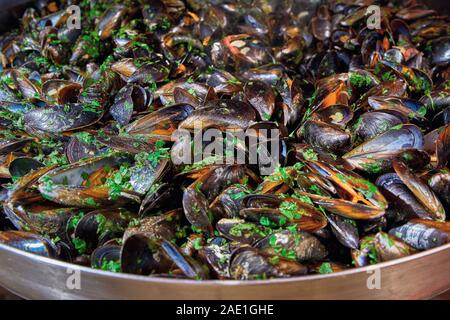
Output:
x=309 y=154
x=358 y=80
x=80 y=245
x=325 y=268
x=197 y=243
x=74 y=220
x=119 y=181
x=373 y=167
x=290 y=210
x=111 y=265
x=239 y=229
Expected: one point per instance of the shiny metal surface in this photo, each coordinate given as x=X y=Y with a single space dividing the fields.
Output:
x=420 y=276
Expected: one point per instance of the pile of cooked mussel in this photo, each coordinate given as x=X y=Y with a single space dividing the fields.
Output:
x=87 y=117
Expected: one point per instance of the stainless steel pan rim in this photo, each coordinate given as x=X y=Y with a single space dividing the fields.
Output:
x=125 y=276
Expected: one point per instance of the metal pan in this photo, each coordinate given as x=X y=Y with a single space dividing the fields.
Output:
x=419 y=276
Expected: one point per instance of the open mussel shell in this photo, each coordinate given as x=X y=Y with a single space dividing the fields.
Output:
x=21 y=189
x=440 y=184
x=332 y=62
x=223 y=82
x=191 y=268
x=221 y=114
x=143 y=177
x=229 y=202
x=61 y=91
x=420 y=236
x=293 y=100
x=217 y=256
x=181 y=96
x=362 y=80
x=349 y=209
x=100 y=226
x=29 y=242
x=366 y=202
x=11 y=145
x=239 y=230
x=415 y=159
x=125 y=143
x=150 y=73
x=5 y=161
x=264 y=136
x=166 y=92
x=27 y=88
x=89 y=116
x=442 y=118
x=124 y=67
x=389 y=248
x=436 y=100
x=440 y=51
x=110 y=20
x=65 y=185
x=443 y=146
x=77 y=150
x=129 y=99
x=338 y=115
x=248 y=263
x=382 y=149
x=261 y=97
x=397 y=192
x=6 y=94
x=261 y=201
x=23 y=165
x=409 y=108
x=289 y=211
x=372 y=124
x=56 y=119
x=326 y=136
x=161 y=123
x=196 y=208
x=215 y=180
x=142 y=255
x=162 y=195
x=421 y=191
x=396 y=88
x=246 y=50
x=306 y=183
x=345 y=231
x=44 y=218
x=104 y=254
x=156 y=227
x=302 y=246
x=419 y=82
